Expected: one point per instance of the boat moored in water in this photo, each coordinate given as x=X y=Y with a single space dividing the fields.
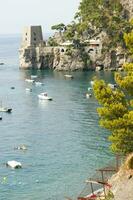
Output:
x=68 y=76
x=28 y=90
x=29 y=80
x=37 y=83
x=92 y=83
x=4 y=109
x=44 y=96
x=88 y=95
x=33 y=76
x=14 y=164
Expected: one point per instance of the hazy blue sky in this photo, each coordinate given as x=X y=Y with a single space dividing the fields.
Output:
x=15 y=14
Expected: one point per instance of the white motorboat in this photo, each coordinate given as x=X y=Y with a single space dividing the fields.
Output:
x=14 y=164
x=28 y=90
x=88 y=95
x=92 y=83
x=68 y=76
x=44 y=96
x=4 y=109
x=38 y=83
x=112 y=86
x=29 y=80
x=89 y=88
x=33 y=76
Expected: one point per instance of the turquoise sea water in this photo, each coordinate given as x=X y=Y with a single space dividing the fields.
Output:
x=65 y=142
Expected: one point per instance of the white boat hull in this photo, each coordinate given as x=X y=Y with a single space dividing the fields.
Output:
x=14 y=164
x=44 y=97
x=29 y=81
x=2 y=109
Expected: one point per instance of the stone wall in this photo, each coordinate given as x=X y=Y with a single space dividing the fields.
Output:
x=57 y=58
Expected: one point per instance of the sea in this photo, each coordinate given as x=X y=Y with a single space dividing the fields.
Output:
x=65 y=144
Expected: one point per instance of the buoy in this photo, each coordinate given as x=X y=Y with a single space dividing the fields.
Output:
x=12 y=88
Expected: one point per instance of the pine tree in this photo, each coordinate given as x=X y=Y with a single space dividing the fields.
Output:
x=116 y=111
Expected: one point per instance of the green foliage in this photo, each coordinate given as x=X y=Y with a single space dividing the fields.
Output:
x=52 y=42
x=126 y=82
x=129 y=41
x=116 y=111
x=92 y=15
x=109 y=196
x=58 y=27
x=103 y=15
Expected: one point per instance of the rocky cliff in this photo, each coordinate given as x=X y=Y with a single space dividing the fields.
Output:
x=122 y=182
x=57 y=58
x=128 y=5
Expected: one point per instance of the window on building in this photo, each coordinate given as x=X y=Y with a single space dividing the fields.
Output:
x=26 y=39
x=34 y=33
x=25 y=33
x=34 y=39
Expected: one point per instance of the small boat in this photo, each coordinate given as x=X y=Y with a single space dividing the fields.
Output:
x=88 y=95
x=14 y=164
x=0 y=118
x=92 y=83
x=38 y=83
x=33 y=76
x=112 y=86
x=4 y=109
x=89 y=88
x=21 y=147
x=28 y=90
x=68 y=76
x=29 y=80
x=44 y=96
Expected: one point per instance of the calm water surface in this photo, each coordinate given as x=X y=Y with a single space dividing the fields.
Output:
x=65 y=142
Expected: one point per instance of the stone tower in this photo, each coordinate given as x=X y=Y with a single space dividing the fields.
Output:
x=32 y=36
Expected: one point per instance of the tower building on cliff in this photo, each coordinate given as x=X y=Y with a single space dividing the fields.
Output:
x=32 y=36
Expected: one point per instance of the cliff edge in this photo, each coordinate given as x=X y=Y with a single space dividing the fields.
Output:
x=122 y=182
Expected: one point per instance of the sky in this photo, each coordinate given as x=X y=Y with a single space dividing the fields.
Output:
x=15 y=14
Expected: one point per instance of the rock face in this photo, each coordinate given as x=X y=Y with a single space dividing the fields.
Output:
x=57 y=58
x=122 y=182
x=128 y=5
x=65 y=59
